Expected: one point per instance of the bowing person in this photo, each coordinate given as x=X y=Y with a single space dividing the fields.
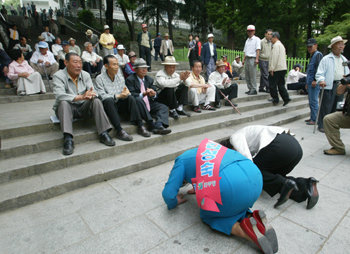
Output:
x=141 y=87
x=226 y=185
x=116 y=99
x=276 y=153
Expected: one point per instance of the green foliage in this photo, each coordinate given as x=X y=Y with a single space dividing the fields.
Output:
x=341 y=28
x=87 y=17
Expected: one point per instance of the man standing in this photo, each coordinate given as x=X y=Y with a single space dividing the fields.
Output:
x=43 y=61
x=157 y=44
x=330 y=71
x=251 y=59
x=49 y=37
x=265 y=52
x=171 y=88
x=277 y=70
x=142 y=88
x=166 y=48
x=76 y=98
x=93 y=39
x=209 y=55
x=116 y=98
x=145 y=45
x=107 y=41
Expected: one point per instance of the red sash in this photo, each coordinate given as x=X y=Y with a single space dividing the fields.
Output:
x=206 y=184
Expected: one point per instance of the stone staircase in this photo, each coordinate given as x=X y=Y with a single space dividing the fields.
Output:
x=32 y=167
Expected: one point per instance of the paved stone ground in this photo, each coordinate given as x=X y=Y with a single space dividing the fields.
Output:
x=128 y=215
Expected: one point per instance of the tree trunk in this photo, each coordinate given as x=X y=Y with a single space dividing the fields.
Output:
x=100 y=7
x=157 y=21
x=230 y=38
x=109 y=15
x=82 y=4
x=170 y=22
x=131 y=28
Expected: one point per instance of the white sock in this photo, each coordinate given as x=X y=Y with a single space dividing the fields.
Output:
x=180 y=108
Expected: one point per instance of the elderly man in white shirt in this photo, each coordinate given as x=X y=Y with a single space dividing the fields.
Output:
x=43 y=61
x=122 y=58
x=92 y=63
x=296 y=80
x=276 y=152
x=251 y=59
x=57 y=47
x=171 y=88
x=223 y=84
x=49 y=37
x=237 y=67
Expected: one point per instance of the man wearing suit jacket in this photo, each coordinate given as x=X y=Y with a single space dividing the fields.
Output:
x=209 y=55
x=141 y=87
x=166 y=48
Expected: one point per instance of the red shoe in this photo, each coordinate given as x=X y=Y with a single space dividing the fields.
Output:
x=249 y=226
x=266 y=229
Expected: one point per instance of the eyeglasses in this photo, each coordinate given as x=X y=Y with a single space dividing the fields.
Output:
x=133 y=56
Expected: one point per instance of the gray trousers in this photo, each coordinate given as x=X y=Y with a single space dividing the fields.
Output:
x=332 y=123
x=250 y=73
x=264 y=74
x=66 y=111
x=210 y=67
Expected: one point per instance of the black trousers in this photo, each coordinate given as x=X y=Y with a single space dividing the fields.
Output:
x=231 y=91
x=158 y=111
x=157 y=53
x=174 y=97
x=277 y=81
x=61 y=64
x=278 y=159
x=145 y=53
x=92 y=69
x=126 y=107
x=300 y=85
x=329 y=103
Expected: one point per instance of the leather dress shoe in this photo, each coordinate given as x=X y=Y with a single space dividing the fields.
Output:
x=141 y=130
x=106 y=139
x=286 y=102
x=287 y=188
x=68 y=146
x=262 y=90
x=253 y=92
x=312 y=193
x=218 y=105
x=249 y=226
x=183 y=113
x=307 y=120
x=320 y=129
x=161 y=131
x=174 y=114
x=333 y=151
x=229 y=104
x=197 y=109
x=123 y=135
x=247 y=92
x=266 y=229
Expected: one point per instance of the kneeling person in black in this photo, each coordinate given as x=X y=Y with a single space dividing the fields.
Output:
x=117 y=99
x=141 y=87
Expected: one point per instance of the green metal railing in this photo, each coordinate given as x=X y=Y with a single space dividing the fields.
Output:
x=181 y=55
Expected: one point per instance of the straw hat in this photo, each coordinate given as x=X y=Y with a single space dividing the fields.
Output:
x=88 y=32
x=140 y=63
x=71 y=39
x=170 y=60
x=335 y=40
x=220 y=63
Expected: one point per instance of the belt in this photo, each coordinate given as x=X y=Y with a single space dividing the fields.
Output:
x=250 y=56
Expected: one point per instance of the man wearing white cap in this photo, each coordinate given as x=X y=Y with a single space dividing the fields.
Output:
x=171 y=88
x=251 y=59
x=43 y=61
x=145 y=45
x=122 y=58
x=166 y=48
x=93 y=39
x=107 y=41
x=209 y=55
x=330 y=71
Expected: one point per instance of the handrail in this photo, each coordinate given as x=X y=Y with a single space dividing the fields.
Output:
x=82 y=23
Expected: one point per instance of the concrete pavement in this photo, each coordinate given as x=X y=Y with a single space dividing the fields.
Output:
x=128 y=215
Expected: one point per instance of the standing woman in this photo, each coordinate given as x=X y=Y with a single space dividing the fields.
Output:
x=226 y=185
x=28 y=81
x=191 y=50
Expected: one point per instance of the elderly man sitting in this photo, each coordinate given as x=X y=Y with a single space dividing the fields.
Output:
x=129 y=67
x=223 y=84
x=171 y=88
x=61 y=56
x=122 y=58
x=199 y=91
x=117 y=99
x=141 y=87
x=43 y=60
x=237 y=67
x=76 y=98
x=91 y=61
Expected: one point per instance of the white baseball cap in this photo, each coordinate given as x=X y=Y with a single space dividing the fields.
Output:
x=120 y=47
x=251 y=28
x=210 y=35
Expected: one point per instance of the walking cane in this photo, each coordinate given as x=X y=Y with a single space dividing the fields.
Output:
x=47 y=77
x=226 y=98
x=319 y=108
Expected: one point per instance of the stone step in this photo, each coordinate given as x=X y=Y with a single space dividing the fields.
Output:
x=51 y=160
x=85 y=131
x=35 y=97
x=45 y=185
